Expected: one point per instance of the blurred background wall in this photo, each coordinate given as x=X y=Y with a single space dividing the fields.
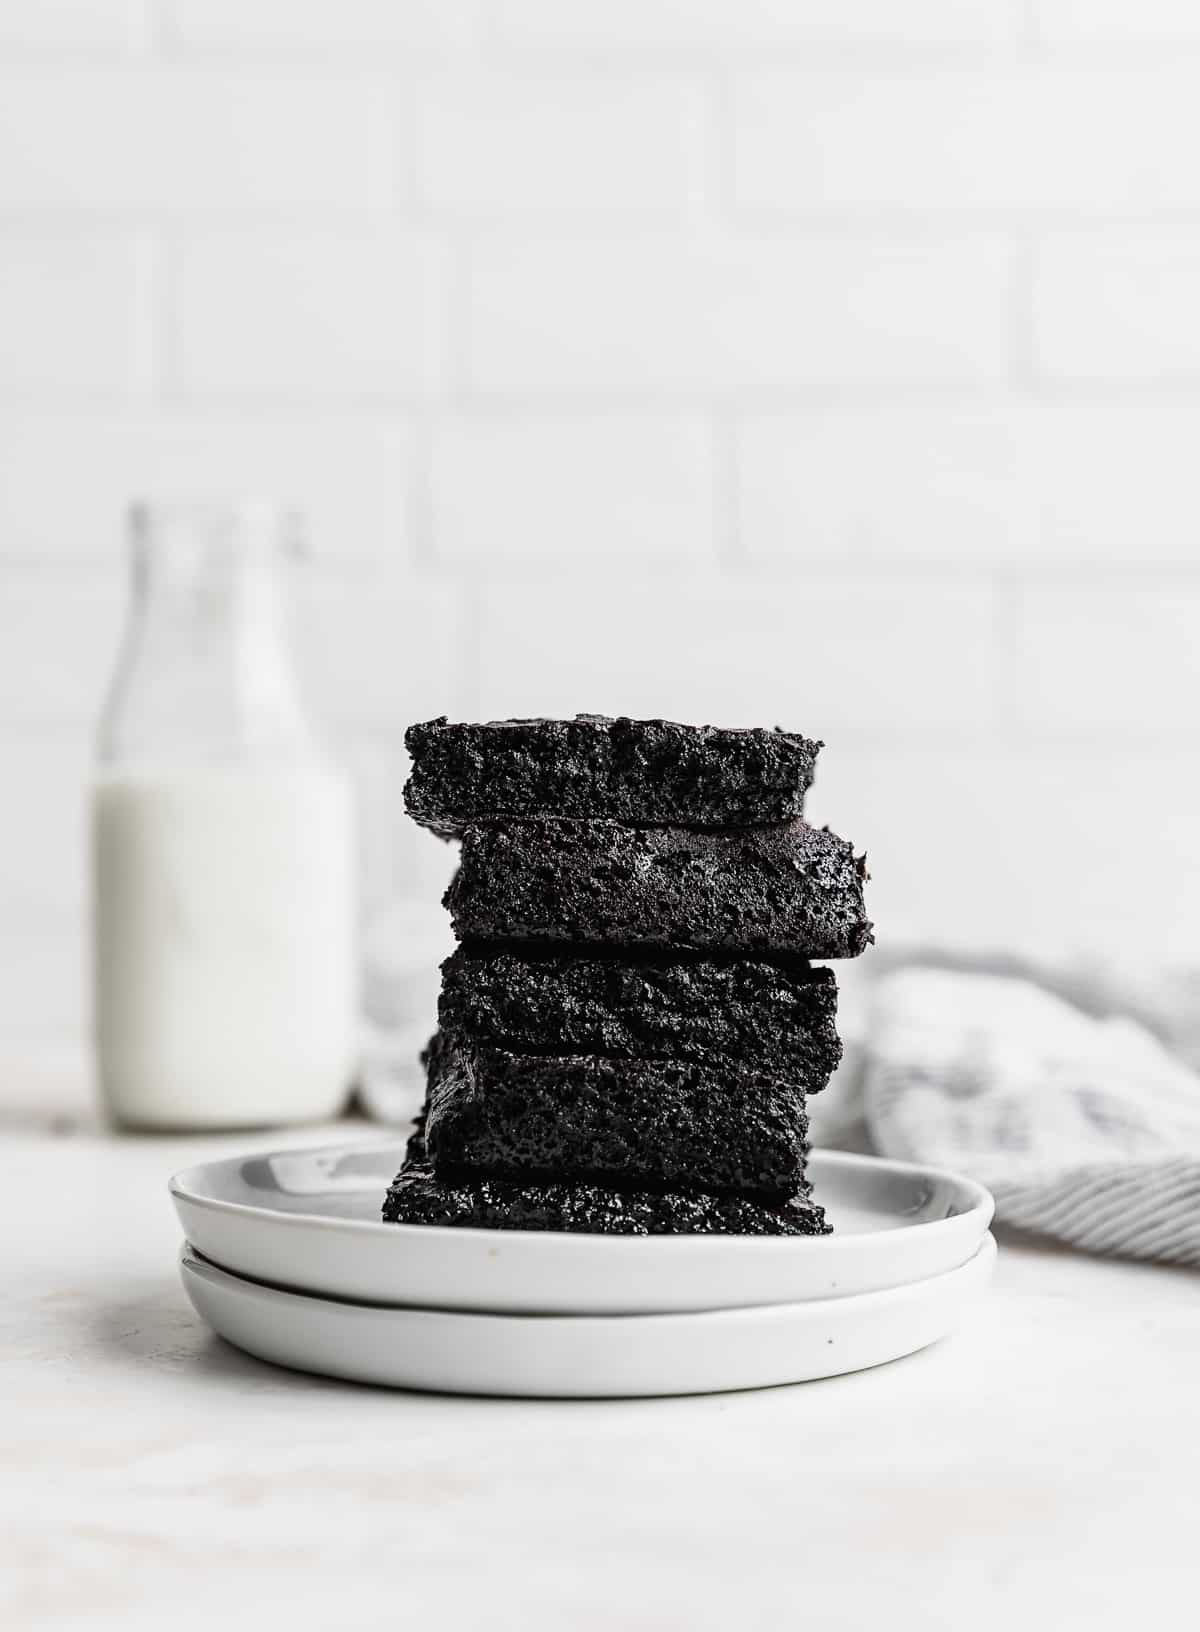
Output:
x=829 y=363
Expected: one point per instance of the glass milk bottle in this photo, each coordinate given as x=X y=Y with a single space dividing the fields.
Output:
x=224 y=911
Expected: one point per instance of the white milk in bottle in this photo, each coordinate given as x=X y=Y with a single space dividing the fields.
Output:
x=223 y=857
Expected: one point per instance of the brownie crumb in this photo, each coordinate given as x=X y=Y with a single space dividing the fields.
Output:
x=792 y=890
x=642 y=772
x=654 y=1124
x=777 y=1017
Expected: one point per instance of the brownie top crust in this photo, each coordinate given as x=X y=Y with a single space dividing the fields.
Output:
x=640 y=772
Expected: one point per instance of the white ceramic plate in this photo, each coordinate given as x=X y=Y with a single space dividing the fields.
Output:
x=309 y=1220
x=582 y=1356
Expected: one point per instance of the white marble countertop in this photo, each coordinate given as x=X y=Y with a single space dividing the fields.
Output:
x=1039 y=1468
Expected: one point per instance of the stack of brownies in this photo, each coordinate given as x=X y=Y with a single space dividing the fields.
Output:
x=630 y=1026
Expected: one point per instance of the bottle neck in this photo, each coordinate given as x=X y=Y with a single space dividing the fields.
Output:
x=205 y=673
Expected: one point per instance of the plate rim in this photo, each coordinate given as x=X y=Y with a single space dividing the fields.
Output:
x=981 y=1203
x=983 y=1259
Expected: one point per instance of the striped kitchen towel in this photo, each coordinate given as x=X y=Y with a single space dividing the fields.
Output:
x=1085 y=1126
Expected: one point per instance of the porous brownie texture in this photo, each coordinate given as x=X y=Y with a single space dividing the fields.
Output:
x=775 y=1017
x=419 y=1196
x=638 y=1124
x=792 y=890
x=634 y=771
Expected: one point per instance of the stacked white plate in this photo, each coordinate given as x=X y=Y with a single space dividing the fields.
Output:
x=286 y=1258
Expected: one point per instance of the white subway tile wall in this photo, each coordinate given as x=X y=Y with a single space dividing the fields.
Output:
x=65 y=26
x=832 y=365
x=628 y=488
x=550 y=141
x=1117 y=306
x=158 y=138
x=73 y=321
x=724 y=313
x=962 y=141
x=284 y=312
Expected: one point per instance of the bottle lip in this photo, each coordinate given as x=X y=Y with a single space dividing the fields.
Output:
x=235 y=527
x=242 y=520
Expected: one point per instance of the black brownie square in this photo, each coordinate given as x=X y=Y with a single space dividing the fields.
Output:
x=644 y=772
x=777 y=1017
x=418 y=1195
x=793 y=890
x=637 y=1124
